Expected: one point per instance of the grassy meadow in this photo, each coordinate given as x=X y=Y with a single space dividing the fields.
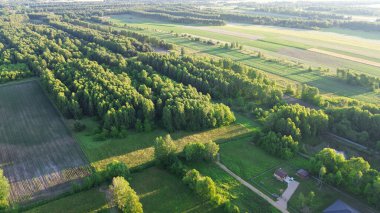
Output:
x=93 y=200
x=136 y=148
x=160 y=191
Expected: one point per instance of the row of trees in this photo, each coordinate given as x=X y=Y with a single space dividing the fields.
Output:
x=201 y=151
x=178 y=106
x=229 y=81
x=124 y=196
x=124 y=45
x=300 y=13
x=6 y=76
x=203 y=186
x=354 y=175
x=145 y=39
x=170 y=18
x=165 y=152
x=283 y=22
x=361 y=79
x=357 y=124
x=183 y=11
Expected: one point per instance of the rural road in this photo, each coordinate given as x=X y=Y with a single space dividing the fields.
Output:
x=279 y=206
x=285 y=197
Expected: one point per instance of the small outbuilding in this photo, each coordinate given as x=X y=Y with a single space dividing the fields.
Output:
x=302 y=173
x=340 y=207
x=280 y=174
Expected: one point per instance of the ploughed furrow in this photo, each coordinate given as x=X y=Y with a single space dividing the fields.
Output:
x=37 y=153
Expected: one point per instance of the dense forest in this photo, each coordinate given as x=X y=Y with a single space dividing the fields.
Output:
x=92 y=68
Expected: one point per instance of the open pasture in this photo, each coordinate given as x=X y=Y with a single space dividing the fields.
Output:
x=136 y=148
x=37 y=153
x=160 y=191
x=93 y=200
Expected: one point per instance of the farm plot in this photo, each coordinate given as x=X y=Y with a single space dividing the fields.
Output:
x=37 y=153
x=363 y=61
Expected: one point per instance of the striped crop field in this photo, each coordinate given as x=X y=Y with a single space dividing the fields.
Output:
x=37 y=153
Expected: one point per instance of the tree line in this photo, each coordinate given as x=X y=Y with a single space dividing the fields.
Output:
x=354 y=175
x=167 y=17
x=165 y=152
x=358 y=79
x=228 y=81
x=357 y=124
x=286 y=125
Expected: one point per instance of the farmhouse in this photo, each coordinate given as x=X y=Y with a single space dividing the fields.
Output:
x=302 y=173
x=280 y=174
x=340 y=207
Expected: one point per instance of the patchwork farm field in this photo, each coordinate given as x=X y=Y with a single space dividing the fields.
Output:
x=284 y=43
x=274 y=39
x=37 y=153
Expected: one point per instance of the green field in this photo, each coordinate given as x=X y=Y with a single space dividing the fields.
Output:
x=275 y=39
x=281 y=43
x=92 y=200
x=160 y=191
x=137 y=147
x=37 y=152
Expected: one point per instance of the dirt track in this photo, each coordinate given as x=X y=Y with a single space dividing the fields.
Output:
x=227 y=32
x=280 y=206
x=360 y=60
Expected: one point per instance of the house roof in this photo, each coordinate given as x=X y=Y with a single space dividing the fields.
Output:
x=303 y=172
x=281 y=173
x=340 y=207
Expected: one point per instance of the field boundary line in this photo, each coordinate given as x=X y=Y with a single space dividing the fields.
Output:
x=346 y=57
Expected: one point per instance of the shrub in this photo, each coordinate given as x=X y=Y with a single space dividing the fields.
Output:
x=200 y=151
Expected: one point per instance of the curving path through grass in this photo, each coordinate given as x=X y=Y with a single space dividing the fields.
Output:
x=278 y=205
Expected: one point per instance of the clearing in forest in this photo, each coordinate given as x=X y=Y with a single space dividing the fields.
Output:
x=37 y=153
